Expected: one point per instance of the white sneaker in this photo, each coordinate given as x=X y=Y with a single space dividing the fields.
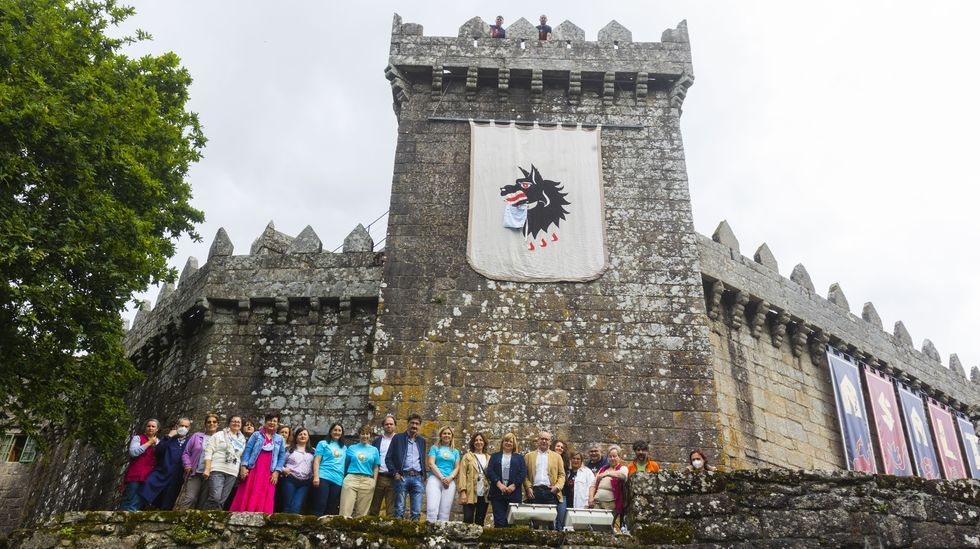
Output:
x=625 y=531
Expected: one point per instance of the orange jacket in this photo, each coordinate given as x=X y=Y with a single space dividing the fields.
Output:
x=652 y=467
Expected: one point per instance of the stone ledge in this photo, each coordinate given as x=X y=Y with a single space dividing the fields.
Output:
x=247 y=530
x=804 y=508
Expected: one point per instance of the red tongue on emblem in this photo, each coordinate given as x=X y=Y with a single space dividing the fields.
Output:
x=515 y=197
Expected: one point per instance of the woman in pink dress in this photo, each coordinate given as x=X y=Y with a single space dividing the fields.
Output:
x=261 y=464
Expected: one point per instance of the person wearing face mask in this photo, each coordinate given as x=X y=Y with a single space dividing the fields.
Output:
x=195 y=490
x=262 y=462
x=222 y=459
x=162 y=486
x=698 y=463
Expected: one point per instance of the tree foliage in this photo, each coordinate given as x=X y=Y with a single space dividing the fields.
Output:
x=94 y=152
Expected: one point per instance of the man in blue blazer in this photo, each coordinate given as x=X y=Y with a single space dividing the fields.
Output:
x=406 y=461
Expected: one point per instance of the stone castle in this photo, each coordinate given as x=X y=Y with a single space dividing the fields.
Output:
x=683 y=341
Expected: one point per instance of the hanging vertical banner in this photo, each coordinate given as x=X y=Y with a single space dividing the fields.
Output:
x=537 y=212
x=970 y=445
x=855 y=431
x=947 y=446
x=891 y=435
x=920 y=436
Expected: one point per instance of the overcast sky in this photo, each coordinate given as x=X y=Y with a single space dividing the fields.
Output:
x=840 y=133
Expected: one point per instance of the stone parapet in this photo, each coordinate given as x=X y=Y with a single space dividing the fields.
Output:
x=804 y=509
x=742 y=291
x=614 y=65
x=279 y=269
x=97 y=529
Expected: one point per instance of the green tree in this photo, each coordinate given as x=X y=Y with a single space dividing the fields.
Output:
x=94 y=152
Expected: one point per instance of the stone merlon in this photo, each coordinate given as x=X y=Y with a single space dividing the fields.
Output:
x=300 y=273
x=613 y=51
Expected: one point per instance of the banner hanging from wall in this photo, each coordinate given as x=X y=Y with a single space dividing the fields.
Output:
x=537 y=212
x=920 y=435
x=947 y=446
x=852 y=414
x=971 y=445
x=888 y=422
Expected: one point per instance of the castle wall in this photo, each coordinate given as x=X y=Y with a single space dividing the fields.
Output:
x=621 y=358
x=776 y=409
x=286 y=328
x=15 y=482
x=769 y=336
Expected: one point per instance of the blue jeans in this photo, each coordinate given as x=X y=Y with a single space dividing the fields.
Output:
x=544 y=496
x=294 y=494
x=327 y=499
x=559 y=520
x=413 y=485
x=131 y=501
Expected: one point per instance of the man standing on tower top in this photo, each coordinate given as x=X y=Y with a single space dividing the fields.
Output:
x=497 y=30
x=544 y=30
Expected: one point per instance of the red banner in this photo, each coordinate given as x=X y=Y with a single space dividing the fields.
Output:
x=891 y=435
x=947 y=446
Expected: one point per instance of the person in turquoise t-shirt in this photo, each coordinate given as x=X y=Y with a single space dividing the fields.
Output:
x=363 y=461
x=328 y=471
x=440 y=488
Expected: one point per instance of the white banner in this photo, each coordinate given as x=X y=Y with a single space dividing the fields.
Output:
x=536 y=204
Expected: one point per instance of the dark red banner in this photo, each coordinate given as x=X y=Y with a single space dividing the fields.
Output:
x=888 y=420
x=947 y=445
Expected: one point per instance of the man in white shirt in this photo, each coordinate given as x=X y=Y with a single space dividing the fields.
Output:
x=384 y=489
x=545 y=473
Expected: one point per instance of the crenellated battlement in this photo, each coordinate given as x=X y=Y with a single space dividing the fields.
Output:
x=750 y=294
x=281 y=271
x=612 y=68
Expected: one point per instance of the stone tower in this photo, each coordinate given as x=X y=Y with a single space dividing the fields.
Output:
x=617 y=359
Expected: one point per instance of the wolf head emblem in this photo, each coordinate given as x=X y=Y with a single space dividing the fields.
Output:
x=544 y=201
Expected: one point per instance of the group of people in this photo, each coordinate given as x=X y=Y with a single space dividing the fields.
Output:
x=497 y=30
x=275 y=468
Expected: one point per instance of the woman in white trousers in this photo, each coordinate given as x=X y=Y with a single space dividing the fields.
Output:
x=440 y=488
